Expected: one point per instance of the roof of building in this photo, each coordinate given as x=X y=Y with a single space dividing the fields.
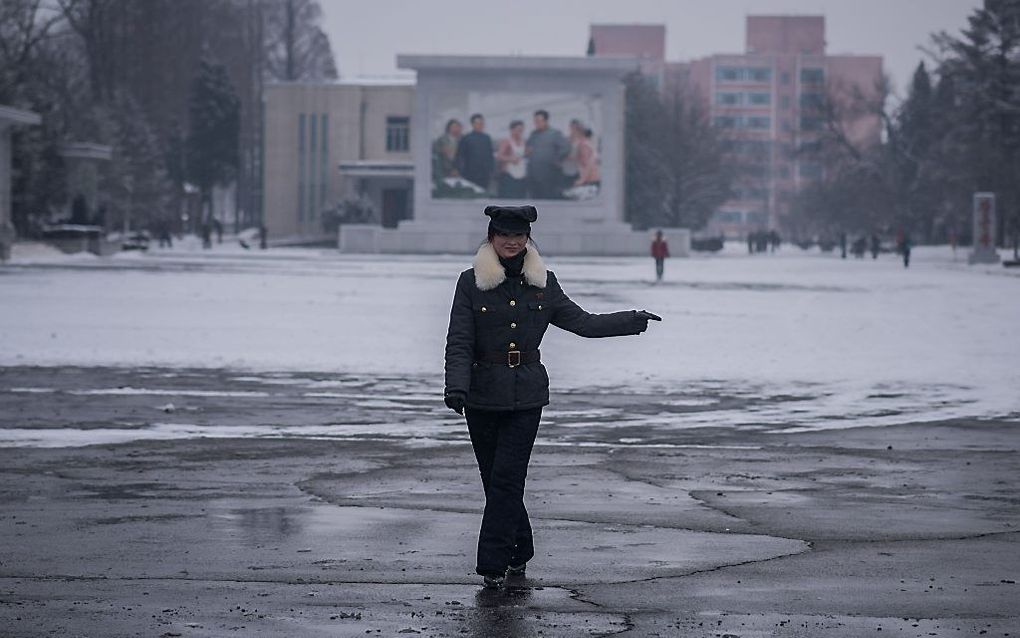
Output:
x=609 y=64
x=404 y=79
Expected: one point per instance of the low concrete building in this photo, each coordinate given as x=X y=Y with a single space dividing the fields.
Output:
x=330 y=142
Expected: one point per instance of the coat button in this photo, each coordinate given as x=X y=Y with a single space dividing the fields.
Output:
x=513 y=303
x=539 y=306
x=513 y=325
x=484 y=309
x=512 y=345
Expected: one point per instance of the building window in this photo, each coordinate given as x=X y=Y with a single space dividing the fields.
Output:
x=759 y=122
x=810 y=170
x=759 y=99
x=324 y=158
x=808 y=123
x=757 y=218
x=784 y=101
x=398 y=133
x=784 y=77
x=811 y=100
x=805 y=148
x=743 y=74
x=729 y=216
x=313 y=155
x=301 y=167
x=727 y=99
x=728 y=74
x=812 y=76
x=725 y=121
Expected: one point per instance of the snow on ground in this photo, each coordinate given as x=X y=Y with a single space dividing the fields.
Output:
x=859 y=338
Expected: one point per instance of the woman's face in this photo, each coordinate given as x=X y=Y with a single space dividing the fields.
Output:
x=508 y=246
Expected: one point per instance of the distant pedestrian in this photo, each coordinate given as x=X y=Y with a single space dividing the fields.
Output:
x=206 y=235
x=774 y=240
x=165 y=239
x=875 y=246
x=905 y=246
x=495 y=377
x=859 y=247
x=842 y=244
x=750 y=243
x=263 y=237
x=218 y=227
x=660 y=251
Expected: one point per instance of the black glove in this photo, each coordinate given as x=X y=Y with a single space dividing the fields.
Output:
x=455 y=401
x=643 y=316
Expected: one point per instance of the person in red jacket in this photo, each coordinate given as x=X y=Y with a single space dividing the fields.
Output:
x=660 y=250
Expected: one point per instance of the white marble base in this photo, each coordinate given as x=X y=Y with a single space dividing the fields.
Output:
x=983 y=255
x=617 y=239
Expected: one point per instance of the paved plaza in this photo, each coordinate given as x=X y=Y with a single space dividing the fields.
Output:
x=805 y=447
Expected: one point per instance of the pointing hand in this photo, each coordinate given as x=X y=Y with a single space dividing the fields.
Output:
x=642 y=317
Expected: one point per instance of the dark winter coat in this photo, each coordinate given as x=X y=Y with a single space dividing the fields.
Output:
x=493 y=314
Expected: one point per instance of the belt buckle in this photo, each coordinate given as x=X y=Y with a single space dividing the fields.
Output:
x=513 y=358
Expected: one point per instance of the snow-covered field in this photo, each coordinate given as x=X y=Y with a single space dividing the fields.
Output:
x=862 y=342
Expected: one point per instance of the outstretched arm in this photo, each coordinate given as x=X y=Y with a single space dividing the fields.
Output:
x=570 y=317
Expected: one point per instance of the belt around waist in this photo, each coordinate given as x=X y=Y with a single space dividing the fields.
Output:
x=513 y=358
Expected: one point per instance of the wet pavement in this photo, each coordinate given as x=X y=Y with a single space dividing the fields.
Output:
x=332 y=505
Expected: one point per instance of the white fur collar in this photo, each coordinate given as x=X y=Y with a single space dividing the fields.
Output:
x=489 y=272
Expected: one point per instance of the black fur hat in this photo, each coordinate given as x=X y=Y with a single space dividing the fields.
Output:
x=515 y=220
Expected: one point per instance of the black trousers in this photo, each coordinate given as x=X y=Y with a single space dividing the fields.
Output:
x=502 y=442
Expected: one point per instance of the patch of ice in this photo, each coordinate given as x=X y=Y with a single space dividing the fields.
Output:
x=167 y=392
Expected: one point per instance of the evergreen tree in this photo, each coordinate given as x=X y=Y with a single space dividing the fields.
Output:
x=984 y=68
x=910 y=147
x=645 y=162
x=212 y=145
x=138 y=186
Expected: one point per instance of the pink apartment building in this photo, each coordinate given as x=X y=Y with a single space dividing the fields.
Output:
x=765 y=102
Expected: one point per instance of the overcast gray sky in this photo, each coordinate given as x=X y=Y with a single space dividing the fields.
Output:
x=368 y=34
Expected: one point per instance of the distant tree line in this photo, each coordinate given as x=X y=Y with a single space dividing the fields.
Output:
x=956 y=132
x=173 y=86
